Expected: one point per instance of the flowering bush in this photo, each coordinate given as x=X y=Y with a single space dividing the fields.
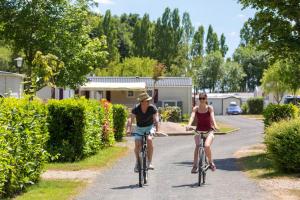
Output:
x=106 y=119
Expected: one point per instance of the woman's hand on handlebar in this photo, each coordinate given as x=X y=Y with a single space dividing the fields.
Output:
x=189 y=128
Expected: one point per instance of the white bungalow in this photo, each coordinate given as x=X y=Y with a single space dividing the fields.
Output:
x=171 y=91
x=11 y=84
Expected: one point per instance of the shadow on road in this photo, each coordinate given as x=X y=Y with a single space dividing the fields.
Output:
x=192 y=185
x=228 y=164
x=126 y=187
x=184 y=163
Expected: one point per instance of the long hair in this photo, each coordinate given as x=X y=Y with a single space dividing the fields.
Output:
x=205 y=95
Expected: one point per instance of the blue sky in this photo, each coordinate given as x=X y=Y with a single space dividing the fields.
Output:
x=226 y=16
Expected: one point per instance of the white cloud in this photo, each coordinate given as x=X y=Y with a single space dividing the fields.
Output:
x=106 y=2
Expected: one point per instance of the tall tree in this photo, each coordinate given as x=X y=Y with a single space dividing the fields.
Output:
x=213 y=69
x=209 y=40
x=232 y=76
x=109 y=28
x=276 y=26
x=223 y=46
x=188 y=29
x=198 y=42
x=253 y=63
x=56 y=27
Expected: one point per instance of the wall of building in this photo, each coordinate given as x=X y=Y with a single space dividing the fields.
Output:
x=216 y=103
x=11 y=85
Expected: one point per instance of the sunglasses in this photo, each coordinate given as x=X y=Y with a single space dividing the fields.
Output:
x=202 y=98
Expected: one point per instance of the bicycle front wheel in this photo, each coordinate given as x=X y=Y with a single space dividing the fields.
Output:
x=201 y=166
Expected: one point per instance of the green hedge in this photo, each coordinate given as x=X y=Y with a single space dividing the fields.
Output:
x=74 y=127
x=274 y=113
x=119 y=118
x=107 y=124
x=255 y=105
x=23 y=136
x=283 y=145
x=245 y=108
x=170 y=113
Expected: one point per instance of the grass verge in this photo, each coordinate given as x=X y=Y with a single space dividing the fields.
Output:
x=257 y=117
x=53 y=190
x=103 y=158
x=255 y=163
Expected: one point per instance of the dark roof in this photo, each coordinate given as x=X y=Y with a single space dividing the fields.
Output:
x=164 y=82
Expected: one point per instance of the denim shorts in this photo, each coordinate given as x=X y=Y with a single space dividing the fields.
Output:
x=140 y=131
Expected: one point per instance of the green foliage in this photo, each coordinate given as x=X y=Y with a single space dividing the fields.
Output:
x=283 y=145
x=273 y=82
x=74 y=127
x=256 y=105
x=170 y=113
x=275 y=113
x=23 y=139
x=253 y=63
x=107 y=123
x=275 y=26
x=133 y=66
x=232 y=76
x=56 y=27
x=223 y=46
x=245 y=108
x=198 y=42
x=120 y=114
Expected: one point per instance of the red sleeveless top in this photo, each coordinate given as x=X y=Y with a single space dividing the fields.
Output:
x=203 y=121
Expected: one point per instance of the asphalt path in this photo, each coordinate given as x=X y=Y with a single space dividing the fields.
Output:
x=172 y=179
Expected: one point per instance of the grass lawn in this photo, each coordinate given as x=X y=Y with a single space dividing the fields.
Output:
x=104 y=157
x=53 y=190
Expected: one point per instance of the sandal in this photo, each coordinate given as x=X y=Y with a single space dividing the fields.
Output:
x=212 y=166
x=194 y=170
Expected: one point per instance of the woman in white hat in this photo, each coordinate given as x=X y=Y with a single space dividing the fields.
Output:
x=146 y=116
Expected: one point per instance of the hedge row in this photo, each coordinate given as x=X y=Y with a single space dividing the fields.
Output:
x=74 y=127
x=120 y=114
x=69 y=129
x=283 y=144
x=23 y=136
x=255 y=105
x=170 y=113
x=275 y=113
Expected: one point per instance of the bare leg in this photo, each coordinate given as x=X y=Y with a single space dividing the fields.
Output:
x=196 y=152
x=150 y=148
x=137 y=148
x=208 y=143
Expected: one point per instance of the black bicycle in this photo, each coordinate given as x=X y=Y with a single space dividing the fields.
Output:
x=203 y=164
x=142 y=162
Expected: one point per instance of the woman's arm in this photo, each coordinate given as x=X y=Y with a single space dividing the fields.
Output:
x=212 y=116
x=191 y=118
x=129 y=123
x=155 y=121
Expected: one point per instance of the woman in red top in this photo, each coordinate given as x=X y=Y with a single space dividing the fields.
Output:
x=205 y=122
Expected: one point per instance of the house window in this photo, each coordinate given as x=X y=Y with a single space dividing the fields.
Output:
x=169 y=103
x=149 y=92
x=130 y=94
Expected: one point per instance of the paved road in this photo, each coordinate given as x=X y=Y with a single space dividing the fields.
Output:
x=172 y=178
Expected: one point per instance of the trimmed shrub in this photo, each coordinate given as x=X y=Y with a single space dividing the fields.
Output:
x=74 y=127
x=283 y=145
x=255 y=105
x=245 y=108
x=107 y=123
x=119 y=118
x=275 y=113
x=23 y=137
x=170 y=113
